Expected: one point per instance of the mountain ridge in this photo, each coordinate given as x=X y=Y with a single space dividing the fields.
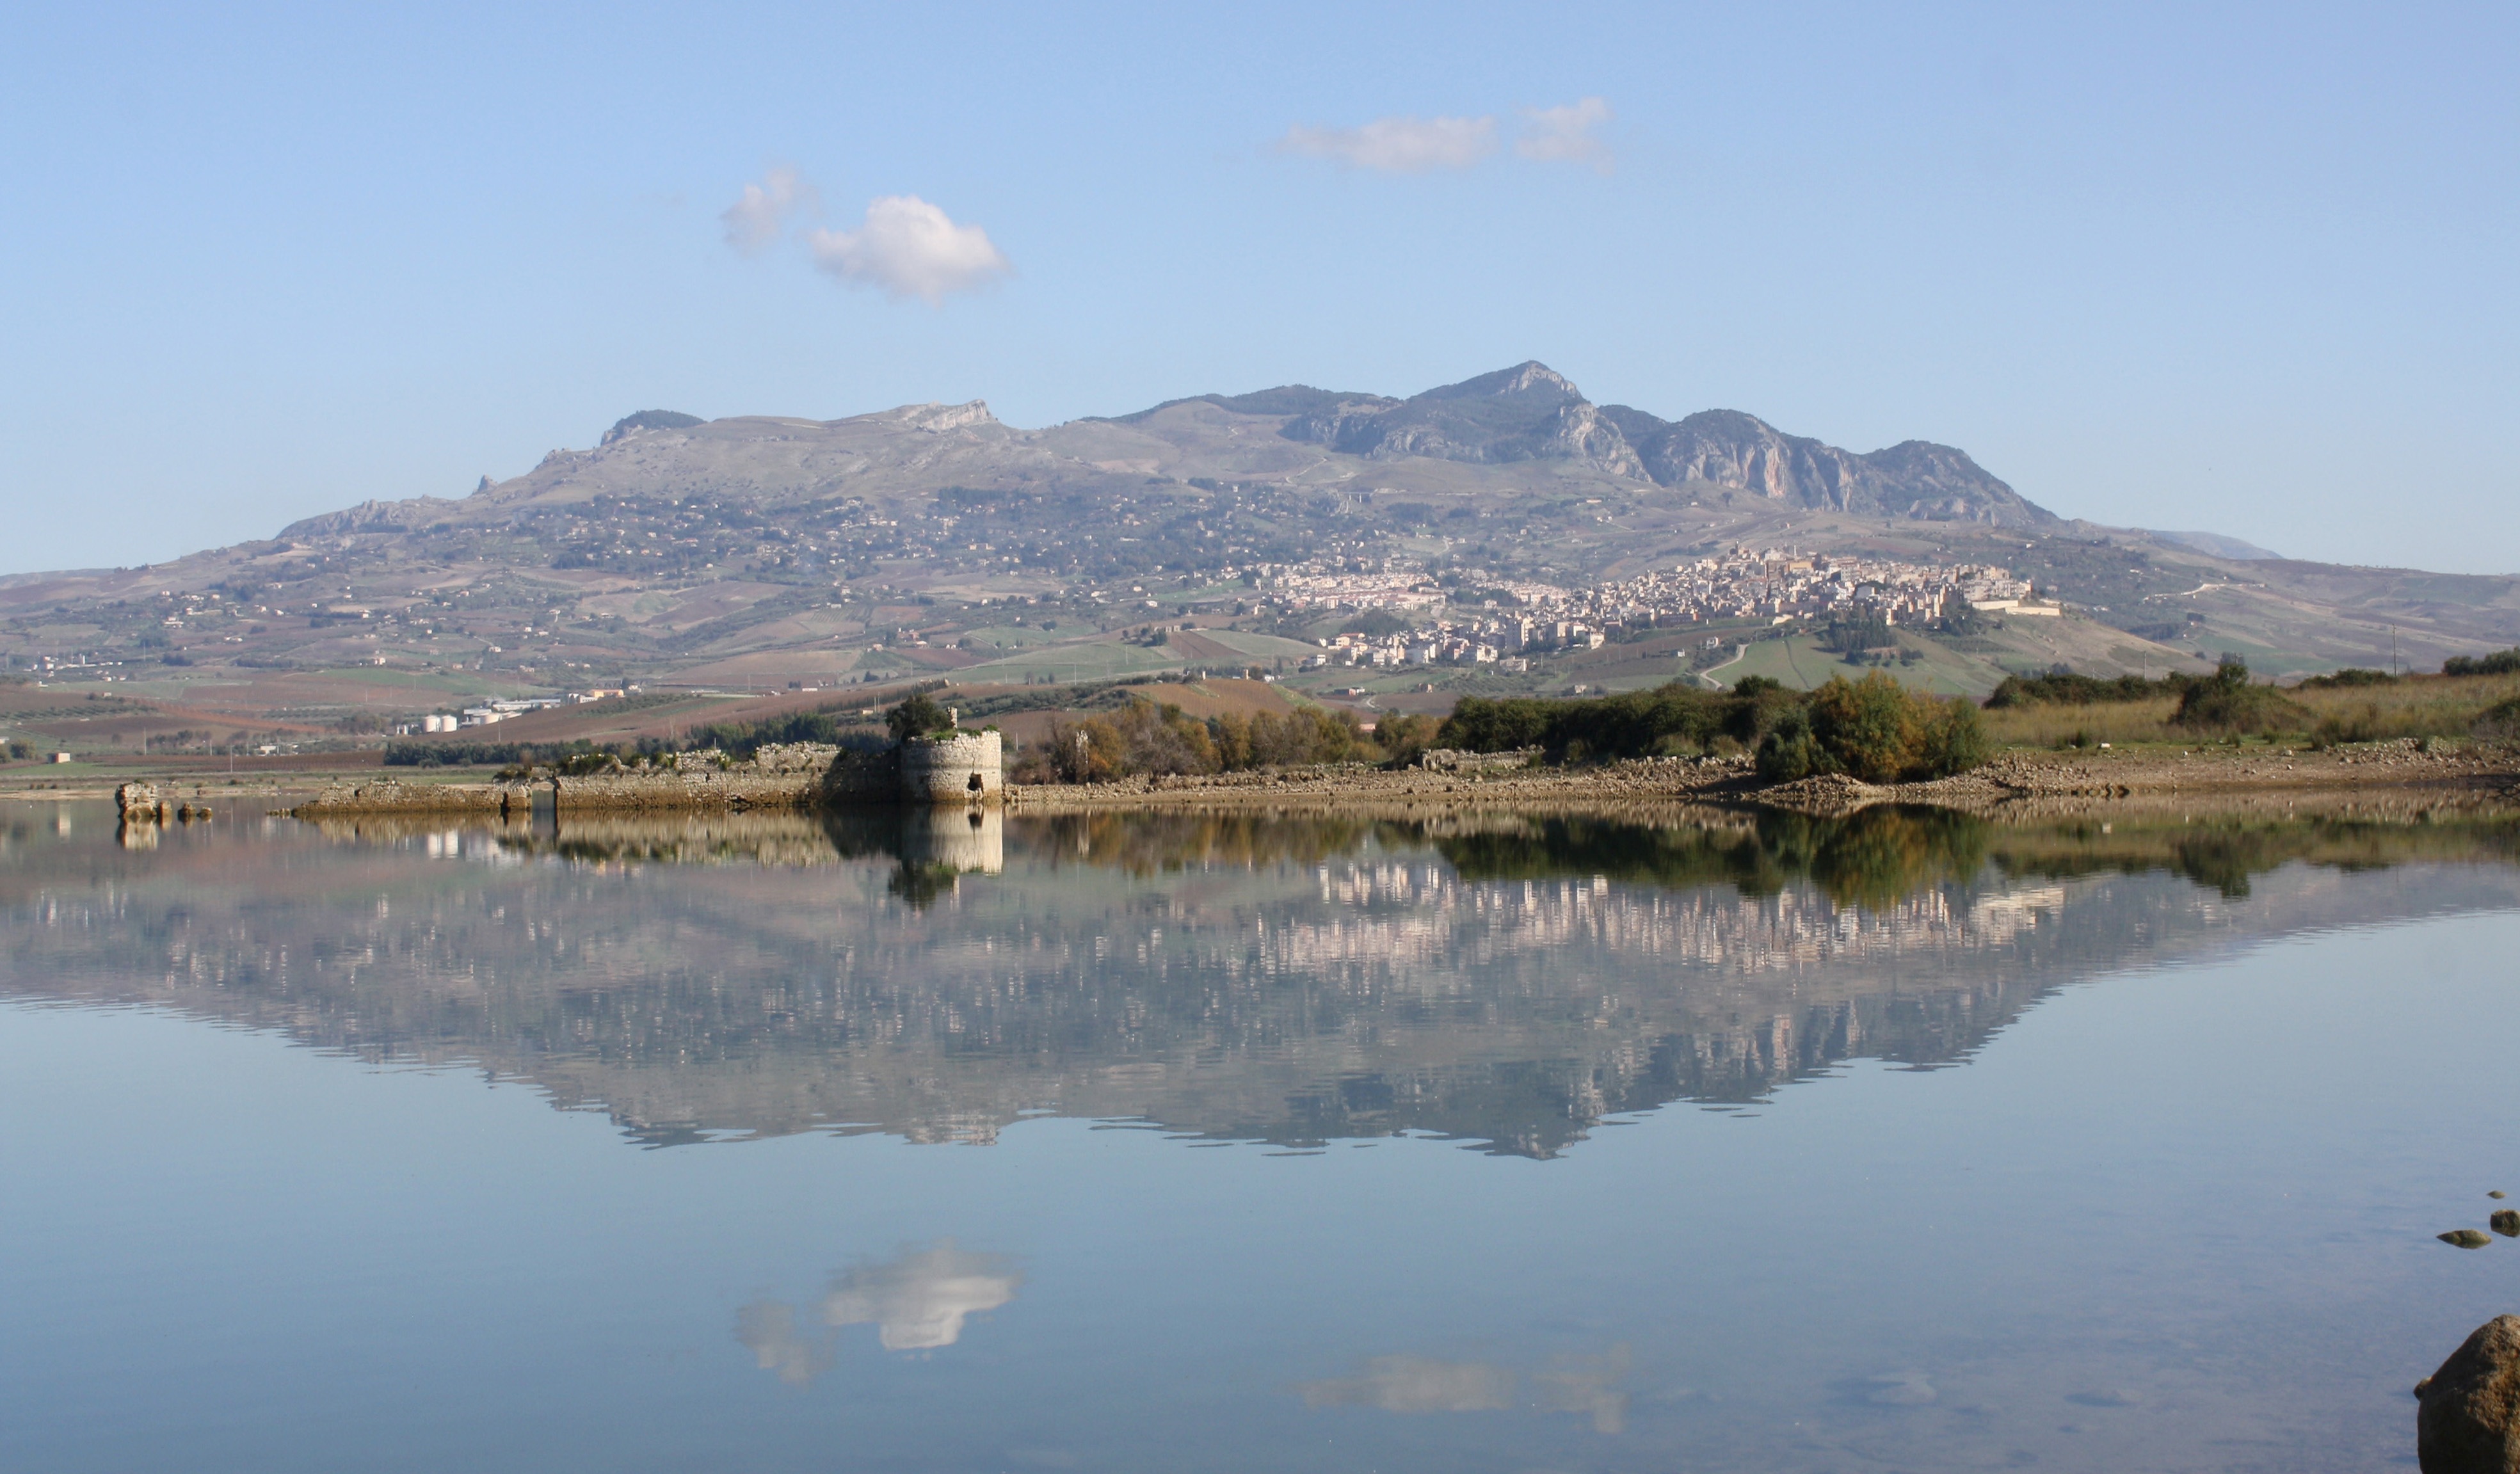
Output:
x=1532 y=412
x=715 y=549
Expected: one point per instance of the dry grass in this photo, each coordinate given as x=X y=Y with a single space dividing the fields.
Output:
x=2414 y=707
x=2418 y=707
x=2116 y=722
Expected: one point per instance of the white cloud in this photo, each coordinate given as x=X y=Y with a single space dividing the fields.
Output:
x=1398 y=144
x=1565 y=134
x=918 y=1301
x=910 y=248
x=761 y=212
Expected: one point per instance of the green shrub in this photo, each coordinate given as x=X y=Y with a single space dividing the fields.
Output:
x=2228 y=703
x=2063 y=688
x=1955 y=741
x=2349 y=677
x=1672 y=720
x=916 y=716
x=1870 y=726
x=1403 y=738
x=1790 y=752
x=2500 y=663
x=1876 y=730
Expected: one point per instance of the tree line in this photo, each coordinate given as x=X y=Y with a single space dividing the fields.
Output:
x=1875 y=728
x=1159 y=738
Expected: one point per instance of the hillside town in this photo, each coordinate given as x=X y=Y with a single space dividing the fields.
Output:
x=1740 y=585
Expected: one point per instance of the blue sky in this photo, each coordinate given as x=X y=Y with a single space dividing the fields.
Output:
x=2247 y=269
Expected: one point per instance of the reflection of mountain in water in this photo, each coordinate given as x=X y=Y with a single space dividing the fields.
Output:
x=1502 y=980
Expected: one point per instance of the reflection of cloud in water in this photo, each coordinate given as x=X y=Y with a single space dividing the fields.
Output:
x=918 y=1300
x=1417 y=1384
x=769 y=1330
x=1588 y=1385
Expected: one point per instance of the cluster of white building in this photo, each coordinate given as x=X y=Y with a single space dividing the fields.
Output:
x=1741 y=584
x=1782 y=585
x=490 y=713
x=1390 y=584
x=1505 y=642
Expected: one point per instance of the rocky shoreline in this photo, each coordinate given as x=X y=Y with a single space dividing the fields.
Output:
x=2376 y=777
x=2386 y=775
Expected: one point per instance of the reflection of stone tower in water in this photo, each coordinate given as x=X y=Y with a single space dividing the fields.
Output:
x=961 y=767
x=965 y=840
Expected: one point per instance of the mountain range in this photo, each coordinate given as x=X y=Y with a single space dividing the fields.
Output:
x=753 y=551
x=1532 y=413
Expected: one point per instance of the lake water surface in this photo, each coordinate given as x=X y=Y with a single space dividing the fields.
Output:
x=1165 y=1142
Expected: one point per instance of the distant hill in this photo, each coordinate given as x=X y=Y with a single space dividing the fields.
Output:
x=2219 y=545
x=744 y=548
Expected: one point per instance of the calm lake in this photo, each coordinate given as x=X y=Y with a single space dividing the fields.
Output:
x=1164 y=1143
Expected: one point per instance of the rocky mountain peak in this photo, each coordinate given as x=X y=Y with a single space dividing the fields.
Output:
x=1532 y=380
x=1531 y=412
x=938 y=418
x=649 y=420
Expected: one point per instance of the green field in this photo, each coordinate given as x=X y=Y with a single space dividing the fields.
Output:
x=1261 y=646
x=1087 y=660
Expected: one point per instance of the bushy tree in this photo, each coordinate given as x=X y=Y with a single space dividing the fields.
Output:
x=1876 y=730
x=916 y=716
x=1150 y=738
x=2500 y=663
x=1402 y=738
x=1790 y=752
x=2228 y=701
x=1869 y=727
x=1670 y=720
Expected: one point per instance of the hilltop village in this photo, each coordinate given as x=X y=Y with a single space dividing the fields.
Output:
x=1742 y=584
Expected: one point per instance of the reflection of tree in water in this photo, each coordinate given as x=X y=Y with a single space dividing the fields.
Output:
x=1873 y=858
x=1869 y=859
x=917 y=885
x=2224 y=852
x=1302 y=980
x=1881 y=855
x=1152 y=843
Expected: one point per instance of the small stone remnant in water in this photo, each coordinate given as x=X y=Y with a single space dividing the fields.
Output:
x=2464 y=1238
x=2505 y=1221
x=2467 y=1416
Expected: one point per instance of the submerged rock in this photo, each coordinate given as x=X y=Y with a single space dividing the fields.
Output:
x=2464 y=1238
x=2505 y=1221
x=2467 y=1416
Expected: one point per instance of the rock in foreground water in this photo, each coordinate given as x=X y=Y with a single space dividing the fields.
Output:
x=2467 y=1419
x=2505 y=1221
x=2464 y=1238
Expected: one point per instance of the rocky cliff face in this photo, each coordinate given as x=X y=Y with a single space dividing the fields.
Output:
x=1525 y=413
x=1532 y=413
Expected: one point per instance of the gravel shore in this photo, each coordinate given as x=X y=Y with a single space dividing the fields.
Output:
x=2388 y=774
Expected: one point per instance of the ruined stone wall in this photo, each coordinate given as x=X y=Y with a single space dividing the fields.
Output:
x=693 y=786
x=962 y=768
x=392 y=796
